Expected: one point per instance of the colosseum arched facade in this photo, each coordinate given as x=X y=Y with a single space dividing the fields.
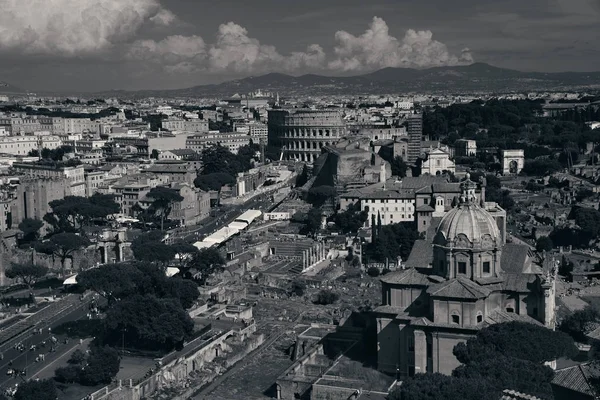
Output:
x=303 y=133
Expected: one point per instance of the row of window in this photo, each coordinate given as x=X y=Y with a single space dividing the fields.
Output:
x=288 y=133
x=462 y=267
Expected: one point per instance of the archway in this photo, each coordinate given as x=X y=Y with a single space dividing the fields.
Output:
x=513 y=166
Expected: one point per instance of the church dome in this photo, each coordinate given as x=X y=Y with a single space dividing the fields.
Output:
x=468 y=220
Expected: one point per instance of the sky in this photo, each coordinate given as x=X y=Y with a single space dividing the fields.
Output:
x=97 y=45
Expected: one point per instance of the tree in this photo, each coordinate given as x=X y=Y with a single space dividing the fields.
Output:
x=26 y=273
x=373 y=271
x=580 y=322
x=184 y=252
x=164 y=199
x=544 y=243
x=183 y=290
x=313 y=220
x=147 y=322
x=149 y=247
x=519 y=340
x=392 y=241
x=319 y=195
x=63 y=246
x=565 y=267
x=298 y=288
x=36 y=390
x=214 y=181
x=501 y=372
x=99 y=366
x=31 y=229
x=399 y=167
x=325 y=297
x=71 y=213
x=114 y=281
x=204 y=263
x=588 y=219
x=352 y=219
x=437 y=386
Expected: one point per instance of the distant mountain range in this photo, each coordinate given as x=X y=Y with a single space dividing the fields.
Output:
x=474 y=78
x=7 y=88
x=478 y=77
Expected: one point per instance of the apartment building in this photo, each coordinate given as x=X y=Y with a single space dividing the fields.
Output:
x=74 y=175
x=230 y=140
x=22 y=145
x=184 y=125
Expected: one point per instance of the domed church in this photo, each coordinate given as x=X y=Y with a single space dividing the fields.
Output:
x=462 y=277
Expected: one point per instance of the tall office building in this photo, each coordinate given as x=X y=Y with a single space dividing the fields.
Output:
x=415 y=135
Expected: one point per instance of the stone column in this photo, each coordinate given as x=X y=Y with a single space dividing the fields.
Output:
x=120 y=252
x=420 y=351
x=104 y=253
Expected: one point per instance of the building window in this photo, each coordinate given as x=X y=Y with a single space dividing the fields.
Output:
x=479 y=318
x=456 y=319
x=510 y=309
x=462 y=267
x=486 y=267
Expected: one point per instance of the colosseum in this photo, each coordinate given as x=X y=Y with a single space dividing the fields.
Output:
x=302 y=133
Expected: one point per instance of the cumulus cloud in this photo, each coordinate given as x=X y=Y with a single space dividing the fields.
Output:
x=376 y=48
x=109 y=27
x=71 y=28
x=164 y=17
x=233 y=51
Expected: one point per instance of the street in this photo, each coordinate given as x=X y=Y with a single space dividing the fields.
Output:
x=224 y=218
x=25 y=360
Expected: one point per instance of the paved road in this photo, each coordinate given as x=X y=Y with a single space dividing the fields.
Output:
x=26 y=360
x=227 y=216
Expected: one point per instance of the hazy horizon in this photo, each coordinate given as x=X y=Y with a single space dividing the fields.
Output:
x=99 y=45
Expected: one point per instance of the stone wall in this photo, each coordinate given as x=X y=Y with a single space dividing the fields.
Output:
x=323 y=392
x=175 y=373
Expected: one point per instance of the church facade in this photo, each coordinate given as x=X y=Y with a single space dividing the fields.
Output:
x=462 y=277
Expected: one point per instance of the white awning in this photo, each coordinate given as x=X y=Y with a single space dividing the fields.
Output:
x=172 y=271
x=72 y=280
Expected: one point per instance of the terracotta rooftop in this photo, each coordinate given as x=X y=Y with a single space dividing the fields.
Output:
x=498 y=316
x=577 y=378
x=458 y=288
x=408 y=276
x=421 y=255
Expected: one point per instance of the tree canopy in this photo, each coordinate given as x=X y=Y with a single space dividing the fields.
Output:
x=214 y=181
x=36 y=390
x=31 y=229
x=392 y=241
x=163 y=200
x=520 y=340
x=26 y=273
x=119 y=281
x=150 y=247
x=99 y=366
x=544 y=243
x=218 y=159
x=203 y=264
x=352 y=219
x=71 y=213
x=501 y=356
x=148 y=322
x=63 y=245
x=580 y=322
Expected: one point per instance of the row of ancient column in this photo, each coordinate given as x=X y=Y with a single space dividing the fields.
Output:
x=313 y=255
